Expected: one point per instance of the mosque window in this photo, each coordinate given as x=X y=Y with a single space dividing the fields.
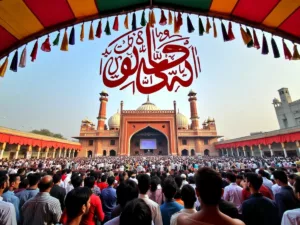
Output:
x=91 y=142
x=205 y=141
x=112 y=142
x=184 y=142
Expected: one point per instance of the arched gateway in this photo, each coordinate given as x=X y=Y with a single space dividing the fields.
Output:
x=148 y=141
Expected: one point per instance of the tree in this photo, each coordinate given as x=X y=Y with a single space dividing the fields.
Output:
x=48 y=133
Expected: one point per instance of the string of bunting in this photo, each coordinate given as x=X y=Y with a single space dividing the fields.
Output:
x=175 y=19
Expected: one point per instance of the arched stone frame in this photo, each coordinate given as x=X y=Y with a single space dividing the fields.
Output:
x=90 y=153
x=206 y=152
x=193 y=153
x=112 y=152
x=129 y=141
x=184 y=152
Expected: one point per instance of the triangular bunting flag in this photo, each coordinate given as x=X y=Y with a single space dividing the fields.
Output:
x=189 y=24
x=255 y=40
x=56 y=41
x=275 y=48
x=170 y=19
x=215 y=29
x=65 y=43
x=91 y=33
x=163 y=18
x=116 y=24
x=72 y=37
x=265 y=47
x=246 y=38
x=224 y=32
x=230 y=32
x=126 y=22
x=34 y=51
x=251 y=43
x=143 y=19
x=287 y=52
x=296 y=55
x=133 y=23
x=107 y=28
x=14 y=63
x=201 y=27
x=82 y=32
x=99 y=29
x=3 y=67
x=46 y=46
x=22 y=63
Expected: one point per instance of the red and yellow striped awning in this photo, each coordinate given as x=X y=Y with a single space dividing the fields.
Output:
x=22 y=21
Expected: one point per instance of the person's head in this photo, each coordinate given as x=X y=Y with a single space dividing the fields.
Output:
x=280 y=177
x=111 y=180
x=33 y=179
x=45 y=183
x=136 y=212
x=208 y=186
x=191 y=180
x=89 y=182
x=297 y=187
x=76 y=181
x=24 y=184
x=103 y=178
x=254 y=182
x=178 y=180
x=126 y=192
x=4 y=183
x=14 y=181
x=231 y=177
x=292 y=178
x=155 y=181
x=144 y=182
x=239 y=179
x=169 y=188
x=21 y=171
x=56 y=178
x=68 y=171
x=188 y=196
x=78 y=202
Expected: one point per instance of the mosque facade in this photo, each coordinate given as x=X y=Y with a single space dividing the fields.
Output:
x=148 y=130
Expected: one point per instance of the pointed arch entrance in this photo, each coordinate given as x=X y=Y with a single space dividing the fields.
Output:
x=112 y=153
x=206 y=152
x=148 y=141
x=184 y=152
x=90 y=154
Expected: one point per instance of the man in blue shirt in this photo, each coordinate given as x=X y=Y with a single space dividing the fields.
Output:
x=30 y=192
x=258 y=210
x=109 y=198
x=9 y=196
x=170 y=206
x=285 y=198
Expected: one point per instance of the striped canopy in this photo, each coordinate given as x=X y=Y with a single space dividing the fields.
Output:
x=22 y=21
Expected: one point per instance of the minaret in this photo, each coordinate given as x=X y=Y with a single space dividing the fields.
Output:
x=102 y=111
x=194 y=112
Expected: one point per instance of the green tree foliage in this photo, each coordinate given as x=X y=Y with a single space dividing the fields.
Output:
x=47 y=132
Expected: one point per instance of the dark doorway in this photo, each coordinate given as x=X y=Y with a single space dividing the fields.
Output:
x=90 y=154
x=184 y=152
x=192 y=152
x=112 y=153
x=104 y=152
x=206 y=152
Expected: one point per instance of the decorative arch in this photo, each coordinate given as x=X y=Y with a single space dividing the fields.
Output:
x=192 y=152
x=168 y=143
x=112 y=153
x=206 y=152
x=184 y=152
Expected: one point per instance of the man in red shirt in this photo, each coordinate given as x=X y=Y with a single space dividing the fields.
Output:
x=95 y=210
x=103 y=184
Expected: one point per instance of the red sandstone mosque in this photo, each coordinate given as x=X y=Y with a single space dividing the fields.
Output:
x=148 y=130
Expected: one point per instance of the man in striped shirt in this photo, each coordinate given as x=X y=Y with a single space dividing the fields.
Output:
x=43 y=208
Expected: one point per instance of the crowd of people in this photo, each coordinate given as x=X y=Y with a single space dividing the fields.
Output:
x=158 y=190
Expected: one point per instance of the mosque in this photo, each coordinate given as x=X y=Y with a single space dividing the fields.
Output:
x=148 y=130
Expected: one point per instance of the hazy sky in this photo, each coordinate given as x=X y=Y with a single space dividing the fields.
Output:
x=236 y=86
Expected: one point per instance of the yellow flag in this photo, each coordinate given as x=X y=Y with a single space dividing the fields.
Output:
x=65 y=43
x=91 y=35
x=3 y=67
x=126 y=22
x=82 y=32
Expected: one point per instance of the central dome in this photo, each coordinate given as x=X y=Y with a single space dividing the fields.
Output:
x=148 y=106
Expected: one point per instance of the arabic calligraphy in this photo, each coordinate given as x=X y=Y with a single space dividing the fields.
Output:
x=149 y=60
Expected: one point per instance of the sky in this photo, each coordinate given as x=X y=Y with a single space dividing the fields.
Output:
x=236 y=85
